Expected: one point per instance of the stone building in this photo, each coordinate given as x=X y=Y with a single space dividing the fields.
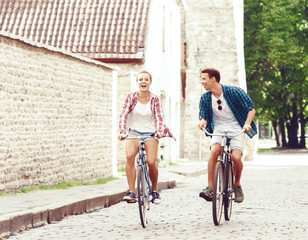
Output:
x=212 y=36
x=129 y=35
x=55 y=115
x=160 y=36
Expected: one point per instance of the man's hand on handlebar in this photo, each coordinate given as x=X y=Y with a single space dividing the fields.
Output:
x=202 y=124
x=247 y=127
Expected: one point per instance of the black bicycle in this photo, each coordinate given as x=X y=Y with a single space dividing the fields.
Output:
x=144 y=190
x=223 y=194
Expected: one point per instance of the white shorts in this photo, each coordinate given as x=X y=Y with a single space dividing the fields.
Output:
x=235 y=143
x=144 y=135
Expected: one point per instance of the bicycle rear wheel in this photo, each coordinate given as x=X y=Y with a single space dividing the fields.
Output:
x=217 y=202
x=143 y=202
x=229 y=194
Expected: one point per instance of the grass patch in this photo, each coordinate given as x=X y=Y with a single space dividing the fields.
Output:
x=173 y=164
x=61 y=185
x=105 y=180
x=121 y=171
x=265 y=150
x=64 y=185
x=29 y=189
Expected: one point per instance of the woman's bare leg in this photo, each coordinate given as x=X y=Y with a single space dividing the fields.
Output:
x=151 y=147
x=131 y=151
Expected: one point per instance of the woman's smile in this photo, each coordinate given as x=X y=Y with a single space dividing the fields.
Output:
x=144 y=81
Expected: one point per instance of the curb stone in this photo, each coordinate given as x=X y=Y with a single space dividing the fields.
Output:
x=44 y=207
x=20 y=221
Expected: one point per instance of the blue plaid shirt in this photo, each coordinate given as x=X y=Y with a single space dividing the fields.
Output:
x=238 y=101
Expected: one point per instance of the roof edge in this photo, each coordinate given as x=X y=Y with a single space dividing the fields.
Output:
x=54 y=49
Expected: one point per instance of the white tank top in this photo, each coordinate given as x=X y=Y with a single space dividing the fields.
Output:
x=142 y=118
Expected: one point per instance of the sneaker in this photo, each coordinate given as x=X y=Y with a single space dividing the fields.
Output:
x=207 y=193
x=239 y=195
x=130 y=197
x=155 y=197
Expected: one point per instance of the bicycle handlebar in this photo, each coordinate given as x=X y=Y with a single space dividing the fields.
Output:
x=223 y=135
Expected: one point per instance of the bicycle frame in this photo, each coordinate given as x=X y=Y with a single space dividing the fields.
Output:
x=228 y=182
x=223 y=179
x=143 y=180
x=141 y=161
x=224 y=143
x=225 y=152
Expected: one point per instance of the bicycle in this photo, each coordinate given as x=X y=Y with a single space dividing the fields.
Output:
x=144 y=190
x=223 y=194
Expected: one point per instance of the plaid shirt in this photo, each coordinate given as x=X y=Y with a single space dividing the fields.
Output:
x=238 y=101
x=156 y=108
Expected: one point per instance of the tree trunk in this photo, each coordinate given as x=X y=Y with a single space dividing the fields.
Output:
x=302 y=120
x=283 y=133
x=292 y=135
x=276 y=131
x=302 y=143
x=292 y=127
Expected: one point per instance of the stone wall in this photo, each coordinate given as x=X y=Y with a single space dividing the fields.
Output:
x=55 y=117
x=126 y=78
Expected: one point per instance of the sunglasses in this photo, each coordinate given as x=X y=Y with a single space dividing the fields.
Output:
x=219 y=104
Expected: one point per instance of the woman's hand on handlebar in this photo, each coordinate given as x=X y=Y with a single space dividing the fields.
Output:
x=158 y=134
x=122 y=136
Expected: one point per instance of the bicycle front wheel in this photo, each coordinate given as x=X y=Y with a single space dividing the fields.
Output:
x=143 y=202
x=217 y=202
x=229 y=194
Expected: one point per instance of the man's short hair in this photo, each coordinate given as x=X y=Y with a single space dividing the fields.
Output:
x=212 y=73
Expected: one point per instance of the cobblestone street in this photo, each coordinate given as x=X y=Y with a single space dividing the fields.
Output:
x=92 y=89
x=275 y=207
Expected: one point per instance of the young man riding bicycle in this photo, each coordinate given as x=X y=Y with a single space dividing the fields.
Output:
x=222 y=108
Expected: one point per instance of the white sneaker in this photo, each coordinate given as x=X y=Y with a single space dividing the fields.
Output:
x=156 y=197
x=130 y=197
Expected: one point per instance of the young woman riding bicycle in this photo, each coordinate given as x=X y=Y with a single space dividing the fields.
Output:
x=142 y=115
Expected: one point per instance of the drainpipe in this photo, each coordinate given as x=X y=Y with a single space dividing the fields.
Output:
x=114 y=123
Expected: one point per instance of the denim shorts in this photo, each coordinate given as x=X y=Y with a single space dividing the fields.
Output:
x=143 y=135
x=235 y=143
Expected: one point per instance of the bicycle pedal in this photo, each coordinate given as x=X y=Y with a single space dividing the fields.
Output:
x=131 y=201
x=207 y=198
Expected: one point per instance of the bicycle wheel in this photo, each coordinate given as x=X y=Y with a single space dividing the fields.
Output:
x=217 y=202
x=229 y=194
x=142 y=197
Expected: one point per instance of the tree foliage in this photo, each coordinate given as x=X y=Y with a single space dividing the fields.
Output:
x=276 y=58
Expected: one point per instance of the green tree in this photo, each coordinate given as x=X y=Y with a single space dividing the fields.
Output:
x=276 y=58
